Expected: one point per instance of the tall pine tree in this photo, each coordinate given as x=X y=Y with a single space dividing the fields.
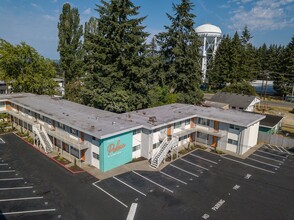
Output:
x=115 y=61
x=179 y=47
x=70 y=48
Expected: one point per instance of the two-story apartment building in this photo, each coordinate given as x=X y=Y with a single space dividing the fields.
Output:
x=107 y=140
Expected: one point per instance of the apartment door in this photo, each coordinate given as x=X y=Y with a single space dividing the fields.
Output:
x=214 y=141
x=83 y=155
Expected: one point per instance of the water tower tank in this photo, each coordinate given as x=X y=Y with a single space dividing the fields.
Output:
x=210 y=36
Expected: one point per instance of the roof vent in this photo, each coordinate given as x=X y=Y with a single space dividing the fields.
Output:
x=113 y=123
x=152 y=119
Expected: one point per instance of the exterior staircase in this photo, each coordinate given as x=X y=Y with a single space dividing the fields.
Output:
x=164 y=148
x=44 y=138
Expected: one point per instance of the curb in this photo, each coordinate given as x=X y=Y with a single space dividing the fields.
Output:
x=56 y=161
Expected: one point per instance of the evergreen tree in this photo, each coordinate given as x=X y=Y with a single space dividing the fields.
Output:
x=235 y=59
x=284 y=78
x=115 y=61
x=243 y=87
x=219 y=74
x=25 y=70
x=70 y=47
x=248 y=62
x=179 y=47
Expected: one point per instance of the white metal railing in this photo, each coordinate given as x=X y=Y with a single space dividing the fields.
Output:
x=37 y=131
x=48 y=139
x=161 y=155
x=159 y=148
x=66 y=137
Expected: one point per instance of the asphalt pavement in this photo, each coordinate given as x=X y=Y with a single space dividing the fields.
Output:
x=200 y=185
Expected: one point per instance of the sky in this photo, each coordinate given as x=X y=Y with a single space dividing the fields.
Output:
x=35 y=21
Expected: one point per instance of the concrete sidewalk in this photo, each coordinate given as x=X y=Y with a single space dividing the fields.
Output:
x=140 y=165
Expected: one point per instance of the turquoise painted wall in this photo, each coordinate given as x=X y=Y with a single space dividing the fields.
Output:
x=266 y=130
x=116 y=151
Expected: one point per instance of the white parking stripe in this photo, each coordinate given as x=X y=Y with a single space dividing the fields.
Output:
x=3 y=164
x=12 y=188
x=9 y=179
x=110 y=195
x=258 y=155
x=185 y=171
x=129 y=186
x=270 y=147
x=173 y=177
x=132 y=211
x=7 y=171
x=279 y=149
x=263 y=162
x=153 y=182
x=19 y=199
x=249 y=165
x=203 y=158
x=276 y=155
x=196 y=165
x=29 y=211
x=274 y=149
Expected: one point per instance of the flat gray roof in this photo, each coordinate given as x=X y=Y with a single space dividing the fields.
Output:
x=96 y=122
x=162 y=115
x=102 y=124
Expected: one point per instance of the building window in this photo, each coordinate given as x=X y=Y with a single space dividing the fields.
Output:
x=203 y=121
x=96 y=156
x=94 y=138
x=159 y=129
x=234 y=142
x=75 y=152
x=233 y=107
x=137 y=131
x=234 y=127
x=177 y=124
x=60 y=125
x=73 y=131
x=137 y=147
x=187 y=122
x=2 y=104
x=202 y=136
x=183 y=137
x=156 y=145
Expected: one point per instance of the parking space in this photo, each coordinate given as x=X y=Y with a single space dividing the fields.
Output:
x=203 y=185
x=276 y=148
x=34 y=187
x=263 y=159
x=18 y=196
x=200 y=185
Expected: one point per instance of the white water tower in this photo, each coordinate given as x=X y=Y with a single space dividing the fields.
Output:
x=210 y=36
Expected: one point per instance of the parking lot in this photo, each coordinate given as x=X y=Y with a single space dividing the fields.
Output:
x=200 y=185
x=203 y=185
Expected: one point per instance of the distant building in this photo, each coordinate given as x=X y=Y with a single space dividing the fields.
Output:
x=271 y=124
x=60 y=88
x=264 y=87
x=236 y=101
x=216 y=104
x=4 y=89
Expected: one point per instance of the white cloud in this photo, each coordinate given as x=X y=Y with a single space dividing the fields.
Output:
x=87 y=11
x=262 y=14
x=34 y=5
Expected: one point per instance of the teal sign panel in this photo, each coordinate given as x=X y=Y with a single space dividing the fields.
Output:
x=116 y=151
